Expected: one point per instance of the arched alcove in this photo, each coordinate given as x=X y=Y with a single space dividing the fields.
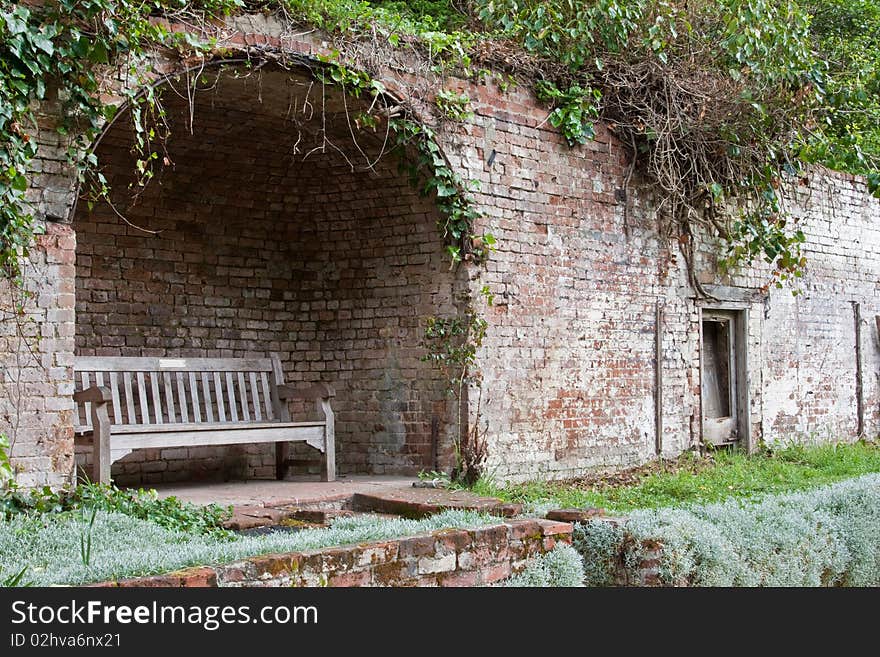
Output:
x=272 y=226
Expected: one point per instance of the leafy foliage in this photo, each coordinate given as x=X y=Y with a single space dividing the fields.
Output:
x=430 y=171
x=452 y=344
x=15 y=578
x=720 y=102
x=54 y=52
x=169 y=512
x=454 y=106
x=847 y=35
x=825 y=537
x=600 y=545
x=575 y=110
x=125 y=546
x=561 y=567
x=7 y=475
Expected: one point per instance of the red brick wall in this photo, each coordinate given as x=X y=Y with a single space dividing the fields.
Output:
x=36 y=403
x=569 y=355
x=260 y=251
x=568 y=361
x=449 y=558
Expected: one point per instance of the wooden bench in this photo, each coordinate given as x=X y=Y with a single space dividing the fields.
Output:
x=132 y=403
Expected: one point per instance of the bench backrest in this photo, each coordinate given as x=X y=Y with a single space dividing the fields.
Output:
x=149 y=391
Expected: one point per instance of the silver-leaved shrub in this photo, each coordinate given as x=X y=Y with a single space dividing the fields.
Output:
x=123 y=546
x=825 y=537
x=562 y=566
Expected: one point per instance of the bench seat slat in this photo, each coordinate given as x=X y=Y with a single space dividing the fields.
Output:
x=181 y=397
x=129 y=397
x=258 y=415
x=267 y=396
x=206 y=393
x=157 y=398
x=203 y=426
x=87 y=407
x=218 y=395
x=142 y=398
x=169 y=396
x=194 y=392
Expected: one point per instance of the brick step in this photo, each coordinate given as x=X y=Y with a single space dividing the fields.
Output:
x=249 y=519
x=422 y=502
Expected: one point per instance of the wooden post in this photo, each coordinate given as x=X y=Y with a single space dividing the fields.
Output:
x=658 y=378
x=860 y=393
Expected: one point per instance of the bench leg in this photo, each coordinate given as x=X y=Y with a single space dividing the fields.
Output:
x=281 y=453
x=101 y=456
x=328 y=466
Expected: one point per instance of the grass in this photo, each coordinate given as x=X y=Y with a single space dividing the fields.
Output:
x=692 y=480
x=121 y=546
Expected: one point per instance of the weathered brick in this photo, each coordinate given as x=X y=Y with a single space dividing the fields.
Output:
x=417 y=546
x=459 y=579
x=574 y=515
x=337 y=269
x=453 y=540
x=437 y=564
x=523 y=528
x=352 y=578
x=553 y=527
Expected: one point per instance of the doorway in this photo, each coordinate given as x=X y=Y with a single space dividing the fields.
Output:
x=724 y=376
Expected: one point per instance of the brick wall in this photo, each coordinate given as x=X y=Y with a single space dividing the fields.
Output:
x=259 y=251
x=809 y=341
x=450 y=557
x=36 y=405
x=37 y=324
x=568 y=362
x=569 y=358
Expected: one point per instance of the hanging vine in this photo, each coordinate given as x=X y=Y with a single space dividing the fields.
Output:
x=721 y=104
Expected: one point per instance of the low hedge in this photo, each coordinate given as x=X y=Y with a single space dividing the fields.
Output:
x=829 y=536
x=70 y=548
x=561 y=566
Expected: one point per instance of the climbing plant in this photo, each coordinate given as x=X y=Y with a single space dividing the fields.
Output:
x=720 y=103
x=58 y=51
x=847 y=34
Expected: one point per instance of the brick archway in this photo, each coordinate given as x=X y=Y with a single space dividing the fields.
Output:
x=274 y=226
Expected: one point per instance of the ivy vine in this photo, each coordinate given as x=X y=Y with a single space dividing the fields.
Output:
x=58 y=51
x=720 y=103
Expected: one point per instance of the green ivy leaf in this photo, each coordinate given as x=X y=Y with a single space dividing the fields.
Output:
x=43 y=44
x=98 y=53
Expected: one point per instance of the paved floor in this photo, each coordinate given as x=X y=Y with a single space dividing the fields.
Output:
x=264 y=492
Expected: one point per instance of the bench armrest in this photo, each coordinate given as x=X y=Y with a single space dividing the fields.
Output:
x=95 y=395
x=316 y=391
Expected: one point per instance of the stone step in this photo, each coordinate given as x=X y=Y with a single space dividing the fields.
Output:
x=420 y=502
